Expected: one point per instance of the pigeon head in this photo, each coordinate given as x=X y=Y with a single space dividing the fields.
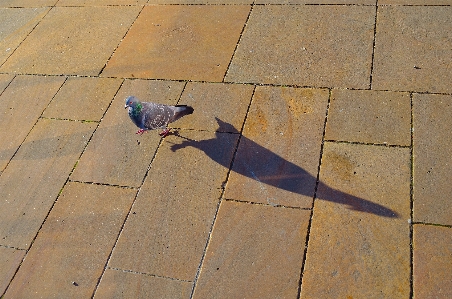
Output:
x=132 y=102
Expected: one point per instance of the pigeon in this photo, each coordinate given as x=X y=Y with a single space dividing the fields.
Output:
x=151 y=116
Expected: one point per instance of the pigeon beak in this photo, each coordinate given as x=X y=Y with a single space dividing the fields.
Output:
x=125 y=107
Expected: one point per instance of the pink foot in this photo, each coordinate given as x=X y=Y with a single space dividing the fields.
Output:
x=140 y=131
x=164 y=133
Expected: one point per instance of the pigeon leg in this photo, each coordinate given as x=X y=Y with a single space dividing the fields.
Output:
x=140 y=131
x=165 y=132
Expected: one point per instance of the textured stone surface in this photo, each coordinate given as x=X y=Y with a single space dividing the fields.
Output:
x=99 y=2
x=432 y=149
x=10 y=260
x=27 y=3
x=415 y=2
x=366 y=2
x=22 y=104
x=170 y=221
x=5 y=80
x=413 y=49
x=359 y=244
x=369 y=117
x=82 y=98
x=69 y=254
x=180 y=42
x=82 y=46
x=256 y=251
x=277 y=159
x=216 y=101
x=320 y=46
x=432 y=261
x=116 y=155
x=31 y=182
x=120 y=284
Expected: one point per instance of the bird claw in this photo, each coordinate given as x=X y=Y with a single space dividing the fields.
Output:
x=164 y=133
x=140 y=131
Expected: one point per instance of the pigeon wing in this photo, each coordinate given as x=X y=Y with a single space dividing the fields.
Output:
x=156 y=115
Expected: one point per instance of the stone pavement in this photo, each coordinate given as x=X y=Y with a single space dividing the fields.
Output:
x=316 y=163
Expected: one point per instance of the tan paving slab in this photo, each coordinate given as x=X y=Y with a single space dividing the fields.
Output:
x=432 y=144
x=70 y=252
x=356 y=248
x=27 y=3
x=256 y=251
x=120 y=284
x=319 y=46
x=23 y=102
x=116 y=155
x=213 y=101
x=5 y=80
x=10 y=260
x=415 y=2
x=16 y=24
x=432 y=262
x=99 y=2
x=72 y=40
x=170 y=221
x=413 y=48
x=31 y=182
x=83 y=98
x=369 y=117
x=365 y=2
x=193 y=42
x=278 y=155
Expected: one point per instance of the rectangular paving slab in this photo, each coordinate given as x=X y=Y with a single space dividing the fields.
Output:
x=180 y=42
x=31 y=182
x=432 y=261
x=432 y=143
x=369 y=117
x=10 y=260
x=359 y=244
x=116 y=155
x=27 y=3
x=23 y=102
x=318 y=46
x=5 y=80
x=278 y=156
x=122 y=284
x=413 y=48
x=256 y=251
x=82 y=46
x=70 y=252
x=167 y=230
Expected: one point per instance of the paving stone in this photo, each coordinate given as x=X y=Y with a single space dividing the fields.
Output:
x=99 y=2
x=414 y=2
x=212 y=101
x=278 y=155
x=185 y=2
x=82 y=98
x=359 y=244
x=32 y=180
x=256 y=251
x=70 y=252
x=5 y=80
x=116 y=155
x=119 y=284
x=369 y=117
x=167 y=230
x=180 y=42
x=16 y=24
x=27 y=3
x=10 y=260
x=432 y=261
x=23 y=102
x=82 y=46
x=413 y=48
x=365 y=2
x=320 y=46
x=432 y=143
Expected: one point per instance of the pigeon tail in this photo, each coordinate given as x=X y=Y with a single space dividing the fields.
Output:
x=182 y=110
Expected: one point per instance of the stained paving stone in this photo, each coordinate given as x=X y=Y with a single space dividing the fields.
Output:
x=16 y=24
x=27 y=3
x=120 y=284
x=413 y=49
x=5 y=80
x=278 y=156
x=10 y=260
x=194 y=42
x=319 y=46
x=359 y=244
x=432 y=144
x=82 y=98
x=369 y=117
x=82 y=46
x=432 y=261
x=23 y=101
x=69 y=254
x=256 y=251
x=214 y=103
x=31 y=182
x=116 y=155
x=167 y=230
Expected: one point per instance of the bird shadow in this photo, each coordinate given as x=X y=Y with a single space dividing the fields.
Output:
x=260 y=164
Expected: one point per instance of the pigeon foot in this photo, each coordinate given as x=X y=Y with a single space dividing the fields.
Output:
x=140 y=131
x=164 y=133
